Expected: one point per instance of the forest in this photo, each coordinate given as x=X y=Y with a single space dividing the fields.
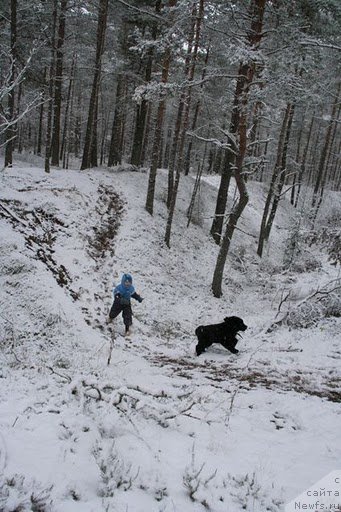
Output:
x=194 y=144
x=246 y=89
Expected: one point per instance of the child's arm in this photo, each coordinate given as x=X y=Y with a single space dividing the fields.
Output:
x=136 y=296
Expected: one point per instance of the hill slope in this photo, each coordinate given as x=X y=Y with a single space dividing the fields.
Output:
x=157 y=429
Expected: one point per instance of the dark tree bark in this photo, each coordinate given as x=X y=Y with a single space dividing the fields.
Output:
x=245 y=78
x=196 y=187
x=145 y=144
x=94 y=139
x=10 y=133
x=318 y=189
x=19 y=126
x=77 y=139
x=297 y=159
x=313 y=153
x=229 y=162
x=303 y=162
x=41 y=115
x=323 y=169
x=226 y=174
x=115 y=152
x=335 y=167
x=90 y=152
x=332 y=143
x=58 y=83
x=158 y=129
x=67 y=109
x=167 y=148
x=186 y=107
x=178 y=121
x=195 y=116
x=282 y=176
x=142 y=109
x=277 y=180
x=105 y=115
x=51 y=87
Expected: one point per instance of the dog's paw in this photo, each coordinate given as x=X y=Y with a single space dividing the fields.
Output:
x=234 y=351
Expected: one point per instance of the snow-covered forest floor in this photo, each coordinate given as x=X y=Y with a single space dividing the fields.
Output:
x=158 y=429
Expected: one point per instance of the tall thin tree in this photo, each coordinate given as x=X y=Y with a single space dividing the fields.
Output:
x=58 y=83
x=51 y=87
x=158 y=127
x=186 y=108
x=89 y=154
x=10 y=133
x=245 y=78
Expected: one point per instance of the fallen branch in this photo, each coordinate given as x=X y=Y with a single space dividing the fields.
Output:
x=11 y=214
x=318 y=294
x=66 y=377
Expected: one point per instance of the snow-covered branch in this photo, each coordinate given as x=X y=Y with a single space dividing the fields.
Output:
x=211 y=140
x=314 y=42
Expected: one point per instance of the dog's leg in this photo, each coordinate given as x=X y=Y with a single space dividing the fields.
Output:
x=230 y=345
x=201 y=346
x=199 y=349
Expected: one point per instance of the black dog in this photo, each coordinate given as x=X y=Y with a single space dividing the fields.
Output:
x=224 y=333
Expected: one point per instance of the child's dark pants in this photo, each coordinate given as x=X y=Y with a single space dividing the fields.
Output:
x=126 y=311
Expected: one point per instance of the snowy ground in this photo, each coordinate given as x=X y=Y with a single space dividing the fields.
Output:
x=157 y=429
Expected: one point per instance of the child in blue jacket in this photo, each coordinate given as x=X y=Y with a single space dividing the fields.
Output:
x=122 y=295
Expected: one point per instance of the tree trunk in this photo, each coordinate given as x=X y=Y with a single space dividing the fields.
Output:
x=186 y=107
x=297 y=159
x=10 y=133
x=158 y=129
x=105 y=115
x=146 y=135
x=41 y=115
x=78 y=125
x=245 y=78
x=51 y=87
x=94 y=139
x=229 y=159
x=303 y=162
x=327 y=148
x=58 y=82
x=282 y=175
x=18 y=126
x=178 y=121
x=167 y=148
x=195 y=116
x=322 y=162
x=218 y=220
x=332 y=143
x=196 y=187
x=90 y=152
x=243 y=195
x=314 y=152
x=115 y=152
x=67 y=109
x=335 y=166
x=278 y=173
x=142 y=109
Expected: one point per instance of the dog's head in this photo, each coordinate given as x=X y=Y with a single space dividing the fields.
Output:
x=235 y=323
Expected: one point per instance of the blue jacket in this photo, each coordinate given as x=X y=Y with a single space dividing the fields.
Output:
x=123 y=293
